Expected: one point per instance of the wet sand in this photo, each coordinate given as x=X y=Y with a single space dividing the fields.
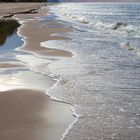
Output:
x=27 y=113
x=9 y=8
x=30 y=115
x=11 y=65
x=35 y=32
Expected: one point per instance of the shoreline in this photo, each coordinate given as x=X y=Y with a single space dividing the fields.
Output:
x=33 y=34
x=11 y=92
x=73 y=109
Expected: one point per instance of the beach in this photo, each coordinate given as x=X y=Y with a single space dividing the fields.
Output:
x=5 y=9
x=71 y=71
x=27 y=112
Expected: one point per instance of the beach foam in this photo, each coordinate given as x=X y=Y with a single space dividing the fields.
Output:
x=102 y=80
x=98 y=17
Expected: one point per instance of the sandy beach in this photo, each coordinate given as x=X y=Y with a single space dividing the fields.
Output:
x=5 y=9
x=27 y=113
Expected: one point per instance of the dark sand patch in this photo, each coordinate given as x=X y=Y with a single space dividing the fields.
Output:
x=11 y=65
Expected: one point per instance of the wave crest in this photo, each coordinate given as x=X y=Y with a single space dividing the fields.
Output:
x=119 y=25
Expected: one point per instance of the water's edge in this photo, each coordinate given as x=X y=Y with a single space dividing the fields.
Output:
x=48 y=91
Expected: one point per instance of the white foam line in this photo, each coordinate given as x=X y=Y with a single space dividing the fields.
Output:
x=22 y=22
x=77 y=116
x=73 y=108
x=23 y=38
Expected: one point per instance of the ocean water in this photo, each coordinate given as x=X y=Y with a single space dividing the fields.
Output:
x=102 y=79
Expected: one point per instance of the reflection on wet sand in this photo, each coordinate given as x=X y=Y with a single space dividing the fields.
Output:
x=7 y=27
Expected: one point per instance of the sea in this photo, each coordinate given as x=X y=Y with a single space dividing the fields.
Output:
x=102 y=78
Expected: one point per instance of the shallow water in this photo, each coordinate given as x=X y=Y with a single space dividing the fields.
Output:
x=102 y=79
x=11 y=43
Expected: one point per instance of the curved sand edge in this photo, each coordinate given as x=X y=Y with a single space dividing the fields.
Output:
x=34 y=32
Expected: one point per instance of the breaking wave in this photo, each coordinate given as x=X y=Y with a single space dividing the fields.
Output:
x=99 y=19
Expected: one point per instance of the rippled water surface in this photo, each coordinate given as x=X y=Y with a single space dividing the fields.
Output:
x=102 y=79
